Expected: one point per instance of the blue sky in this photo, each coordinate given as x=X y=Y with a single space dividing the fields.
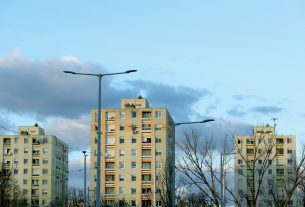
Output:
x=241 y=62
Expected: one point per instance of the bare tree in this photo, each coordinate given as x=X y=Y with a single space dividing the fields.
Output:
x=75 y=197
x=9 y=190
x=196 y=161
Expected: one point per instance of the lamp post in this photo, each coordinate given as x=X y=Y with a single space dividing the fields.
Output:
x=223 y=178
x=173 y=125
x=98 y=162
x=85 y=200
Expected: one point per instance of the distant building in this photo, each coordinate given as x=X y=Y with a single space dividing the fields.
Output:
x=39 y=163
x=137 y=154
x=264 y=166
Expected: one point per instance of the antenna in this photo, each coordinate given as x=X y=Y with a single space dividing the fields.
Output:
x=274 y=119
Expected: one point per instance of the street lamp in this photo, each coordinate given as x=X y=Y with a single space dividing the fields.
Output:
x=85 y=201
x=178 y=124
x=98 y=169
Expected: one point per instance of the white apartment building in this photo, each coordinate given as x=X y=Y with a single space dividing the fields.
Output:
x=264 y=167
x=39 y=163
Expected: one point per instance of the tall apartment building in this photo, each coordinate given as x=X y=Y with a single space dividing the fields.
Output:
x=264 y=167
x=137 y=154
x=39 y=163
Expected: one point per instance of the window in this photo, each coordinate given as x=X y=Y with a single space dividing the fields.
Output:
x=44 y=182
x=280 y=151
x=134 y=114
x=25 y=182
x=109 y=165
x=269 y=140
x=133 y=165
x=146 y=165
x=109 y=190
x=45 y=151
x=158 y=165
x=133 y=140
x=146 y=152
x=133 y=191
x=26 y=150
x=121 y=177
x=260 y=161
x=133 y=178
x=270 y=162
x=133 y=203
x=158 y=153
x=158 y=177
x=269 y=171
x=121 y=140
x=110 y=140
x=289 y=151
x=122 y=115
x=289 y=171
x=25 y=161
x=15 y=171
x=250 y=151
x=146 y=190
x=146 y=177
x=146 y=114
x=45 y=161
x=158 y=127
x=15 y=151
x=24 y=191
x=109 y=154
x=146 y=127
x=158 y=114
x=289 y=140
x=122 y=127
x=158 y=203
x=133 y=152
x=280 y=171
x=26 y=140
x=240 y=171
x=158 y=140
x=110 y=115
x=109 y=178
x=122 y=165
x=289 y=161
x=25 y=171
x=121 y=190
x=240 y=162
x=122 y=153
x=45 y=171
x=35 y=172
x=259 y=151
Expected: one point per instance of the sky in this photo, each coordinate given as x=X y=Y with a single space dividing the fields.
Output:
x=239 y=62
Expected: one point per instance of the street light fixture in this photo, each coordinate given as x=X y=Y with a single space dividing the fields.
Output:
x=98 y=169
x=174 y=126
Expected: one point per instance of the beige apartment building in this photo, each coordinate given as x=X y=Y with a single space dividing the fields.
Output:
x=137 y=154
x=39 y=164
x=265 y=167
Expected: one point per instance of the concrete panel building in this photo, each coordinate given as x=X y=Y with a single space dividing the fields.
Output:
x=39 y=163
x=265 y=167
x=137 y=154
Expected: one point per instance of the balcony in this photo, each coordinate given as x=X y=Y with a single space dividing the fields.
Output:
x=7 y=141
x=146 y=115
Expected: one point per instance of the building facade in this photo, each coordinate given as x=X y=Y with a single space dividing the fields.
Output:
x=137 y=154
x=39 y=164
x=265 y=168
